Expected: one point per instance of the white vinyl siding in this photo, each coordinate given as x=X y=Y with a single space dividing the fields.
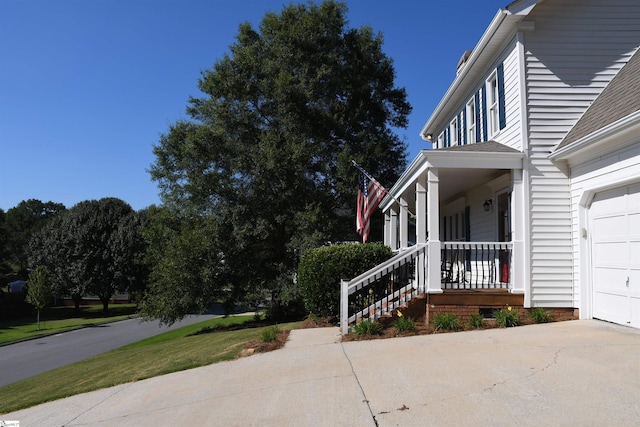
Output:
x=575 y=50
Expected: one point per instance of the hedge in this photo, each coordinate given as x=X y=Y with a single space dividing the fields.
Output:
x=321 y=269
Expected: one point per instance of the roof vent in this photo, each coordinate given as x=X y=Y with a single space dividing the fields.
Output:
x=463 y=60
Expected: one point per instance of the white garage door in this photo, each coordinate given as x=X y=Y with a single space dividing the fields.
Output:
x=615 y=255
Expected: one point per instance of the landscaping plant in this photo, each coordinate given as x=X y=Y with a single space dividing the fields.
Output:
x=368 y=327
x=477 y=321
x=507 y=318
x=539 y=315
x=404 y=324
x=446 y=322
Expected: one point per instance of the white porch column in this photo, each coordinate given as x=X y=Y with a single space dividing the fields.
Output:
x=421 y=228
x=518 y=269
x=404 y=224
x=433 y=229
x=393 y=227
x=387 y=229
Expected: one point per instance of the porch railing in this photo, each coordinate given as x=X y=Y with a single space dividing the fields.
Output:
x=383 y=288
x=476 y=265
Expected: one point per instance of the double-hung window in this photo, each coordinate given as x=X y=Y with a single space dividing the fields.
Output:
x=492 y=104
x=453 y=131
x=471 y=121
x=440 y=140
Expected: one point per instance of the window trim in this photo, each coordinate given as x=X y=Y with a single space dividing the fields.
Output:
x=471 y=121
x=493 y=97
x=453 y=131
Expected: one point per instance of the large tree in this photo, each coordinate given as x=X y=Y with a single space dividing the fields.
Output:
x=265 y=158
x=95 y=248
x=25 y=219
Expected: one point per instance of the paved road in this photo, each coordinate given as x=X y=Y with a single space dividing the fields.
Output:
x=25 y=359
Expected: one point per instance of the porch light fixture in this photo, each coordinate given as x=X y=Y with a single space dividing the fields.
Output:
x=487 y=205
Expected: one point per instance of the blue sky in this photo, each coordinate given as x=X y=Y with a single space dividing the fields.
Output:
x=88 y=86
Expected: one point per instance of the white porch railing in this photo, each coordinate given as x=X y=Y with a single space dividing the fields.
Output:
x=383 y=288
x=476 y=265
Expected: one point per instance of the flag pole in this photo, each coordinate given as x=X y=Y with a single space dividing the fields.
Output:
x=365 y=173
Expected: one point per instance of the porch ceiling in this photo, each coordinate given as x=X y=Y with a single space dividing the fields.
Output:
x=457 y=181
x=459 y=169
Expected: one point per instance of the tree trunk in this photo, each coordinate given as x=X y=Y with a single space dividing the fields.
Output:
x=105 y=304
x=77 y=299
x=38 y=316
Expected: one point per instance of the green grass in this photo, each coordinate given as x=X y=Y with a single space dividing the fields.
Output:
x=58 y=319
x=171 y=351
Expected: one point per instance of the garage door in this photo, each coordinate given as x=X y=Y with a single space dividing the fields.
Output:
x=615 y=255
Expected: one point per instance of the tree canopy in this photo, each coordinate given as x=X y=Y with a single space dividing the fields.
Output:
x=25 y=219
x=262 y=167
x=95 y=248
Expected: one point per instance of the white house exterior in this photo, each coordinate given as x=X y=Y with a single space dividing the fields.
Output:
x=531 y=191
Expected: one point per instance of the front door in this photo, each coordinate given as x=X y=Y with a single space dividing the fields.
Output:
x=504 y=234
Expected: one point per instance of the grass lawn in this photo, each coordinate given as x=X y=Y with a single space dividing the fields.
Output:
x=188 y=347
x=57 y=319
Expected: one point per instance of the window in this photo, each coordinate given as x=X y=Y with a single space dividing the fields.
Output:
x=492 y=104
x=440 y=140
x=471 y=121
x=454 y=131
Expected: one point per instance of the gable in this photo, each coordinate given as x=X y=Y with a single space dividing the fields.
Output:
x=619 y=99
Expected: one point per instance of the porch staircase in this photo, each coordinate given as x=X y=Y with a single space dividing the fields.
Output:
x=383 y=289
x=475 y=275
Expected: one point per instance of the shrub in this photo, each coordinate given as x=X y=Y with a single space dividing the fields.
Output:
x=368 y=327
x=321 y=269
x=270 y=334
x=477 y=321
x=539 y=315
x=446 y=322
x=507 y=318
x=404 y=324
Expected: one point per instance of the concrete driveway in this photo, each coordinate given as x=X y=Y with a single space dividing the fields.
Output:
x=583 y=373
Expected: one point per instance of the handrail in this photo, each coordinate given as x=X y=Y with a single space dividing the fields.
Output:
x=383 y=288
x=396 y=259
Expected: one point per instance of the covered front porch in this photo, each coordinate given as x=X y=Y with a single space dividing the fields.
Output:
x=456 y=220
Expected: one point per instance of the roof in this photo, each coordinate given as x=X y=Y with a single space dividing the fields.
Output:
x=482 y=147
x=619 y=99
x=501 y=29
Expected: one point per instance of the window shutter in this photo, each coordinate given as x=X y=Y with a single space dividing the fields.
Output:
x=477 y=101
x=446 y=137
x=501 y=100
x=464 y=125
x=459 y=120
x=484 y=113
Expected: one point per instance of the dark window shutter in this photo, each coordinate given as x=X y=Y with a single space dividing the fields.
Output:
x=464 y=125
x=501 y=100
x=446 y=137
x=459 y=120
x=478 y=128
x=484 y=113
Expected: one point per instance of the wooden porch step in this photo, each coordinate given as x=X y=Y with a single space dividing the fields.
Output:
x=480 y=297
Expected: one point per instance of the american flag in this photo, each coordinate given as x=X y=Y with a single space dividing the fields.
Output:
x=370 y=194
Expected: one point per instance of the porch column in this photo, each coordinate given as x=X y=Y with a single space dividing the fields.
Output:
x=393 y=227
x=421 y=229
x=433 y=230
x=404 y=223
x=386 y=232
x=518 y=270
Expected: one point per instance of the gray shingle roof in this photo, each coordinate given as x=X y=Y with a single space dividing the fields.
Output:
x=620 y=98
x=484 y=147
